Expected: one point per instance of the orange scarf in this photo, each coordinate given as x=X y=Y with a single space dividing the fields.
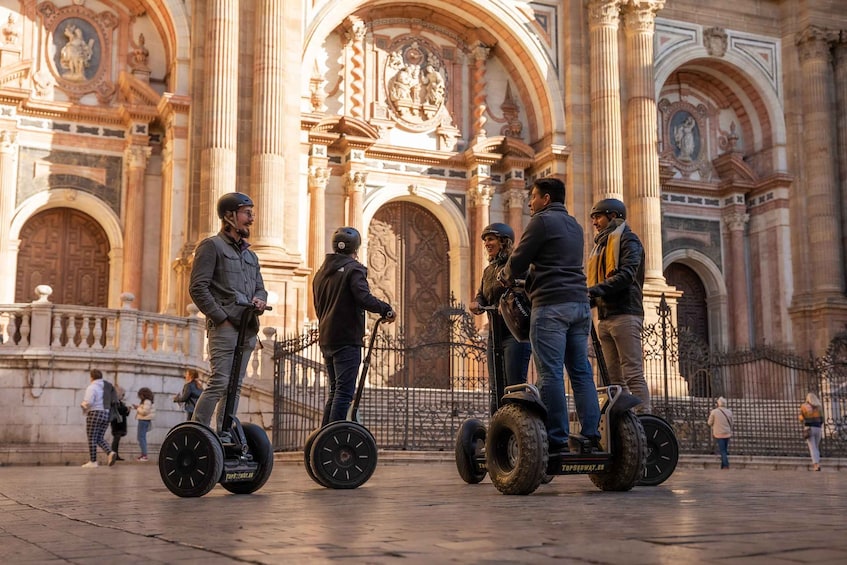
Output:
x=605 y=256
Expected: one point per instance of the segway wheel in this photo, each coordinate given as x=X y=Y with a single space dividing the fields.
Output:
x=307 y=457
x=191 y=460
x=470 y=442
x=343 y=455
x=260 y=448
x=629 y=454
x=516 y=450
x=662 y=450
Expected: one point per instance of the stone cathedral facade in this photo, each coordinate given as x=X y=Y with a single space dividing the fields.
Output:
x=722 y=125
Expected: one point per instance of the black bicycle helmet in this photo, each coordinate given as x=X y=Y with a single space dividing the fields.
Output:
x=231 y=202
x=500 y=230
x=609 y=206
x=346 y=240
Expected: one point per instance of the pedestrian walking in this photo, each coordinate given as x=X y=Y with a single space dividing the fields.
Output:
x=811 y=415
x=119 y=422
x=95 y=406
x=144 y=413
x=720 y=420
x=190 y=393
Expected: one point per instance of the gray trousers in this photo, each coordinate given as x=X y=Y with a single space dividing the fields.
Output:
x=620 y=337
x=222 y=342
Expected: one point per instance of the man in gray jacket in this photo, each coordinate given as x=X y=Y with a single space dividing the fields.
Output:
x=225 y=277
x=551 y=248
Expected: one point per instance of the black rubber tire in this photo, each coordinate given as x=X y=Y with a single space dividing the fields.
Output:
x=307 y=457
x=662 y=450
x=263 y=453
x=470 y=441
x=191 y=460
x=516 y=450
x=629 y=453
x=344 y=455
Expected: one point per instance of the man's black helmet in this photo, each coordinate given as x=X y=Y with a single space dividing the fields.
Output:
x=232 y=201
x=500 y=230
x=610 y=206
x=346 y=240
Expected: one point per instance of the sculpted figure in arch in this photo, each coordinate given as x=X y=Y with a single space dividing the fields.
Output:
x=684 y=136
x=76 y=54
x=434 y=86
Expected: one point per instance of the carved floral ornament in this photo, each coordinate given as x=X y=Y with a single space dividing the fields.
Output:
x=415 y=83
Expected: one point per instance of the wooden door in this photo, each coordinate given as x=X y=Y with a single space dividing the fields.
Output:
x=67 y=250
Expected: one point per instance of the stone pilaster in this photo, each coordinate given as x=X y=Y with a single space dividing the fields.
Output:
x=479 y=197
x=606 y=147
x=736 y=224
x=219 y=124
x=354 y=35
x=318 y=179
x=643 y=192
x=479 y=55
x=135 y=158
x=841 y=128
x=515 y=204
x=355 y=189
x=819 y=147
x=8 y=189
x=268 y=163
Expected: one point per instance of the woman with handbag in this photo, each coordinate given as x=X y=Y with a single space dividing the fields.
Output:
x=810 y=415
x=499 y=239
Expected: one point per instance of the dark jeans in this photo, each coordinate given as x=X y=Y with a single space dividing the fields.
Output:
x=516 y=356
x=723 y=449
x=342 y=366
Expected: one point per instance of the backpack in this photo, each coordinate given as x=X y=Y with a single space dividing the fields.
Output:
x=110 y=400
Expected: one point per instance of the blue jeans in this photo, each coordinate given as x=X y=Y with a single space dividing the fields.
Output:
x=143 y=428
x=723 y=449
x=559 y=337
x=222 y=341
x=516 y=356
x=342 y=367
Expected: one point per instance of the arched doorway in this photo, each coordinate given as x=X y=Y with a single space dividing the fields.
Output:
x=692 y=327
x=68 y=250
x=408 y=267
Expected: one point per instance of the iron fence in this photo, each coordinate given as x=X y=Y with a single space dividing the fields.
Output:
x=421 y=388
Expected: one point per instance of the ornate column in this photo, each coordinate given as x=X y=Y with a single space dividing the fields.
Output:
x=606 y=148
x=479 y=198
x=355 y=189
x=479 y=55
x=736 y=223
x=841 y=128
x=318 y=179
x=643 y=194
x=354 y=35
x=267 y=165
x=220 y=110
x=819 y=146
x=8 y=189
x=135 y=159
x=515 y=203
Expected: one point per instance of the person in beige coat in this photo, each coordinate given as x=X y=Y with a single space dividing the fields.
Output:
x=720 y=420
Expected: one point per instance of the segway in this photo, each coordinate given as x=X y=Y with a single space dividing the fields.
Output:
x=515 y=453
x=343 y=454
x=193 y=458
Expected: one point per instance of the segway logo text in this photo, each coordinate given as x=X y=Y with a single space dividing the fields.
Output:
x=240 y=476
x=583 y=468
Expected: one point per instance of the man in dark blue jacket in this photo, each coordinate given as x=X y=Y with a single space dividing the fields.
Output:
x=552 y=248
x=341 y=296
x=616 y=279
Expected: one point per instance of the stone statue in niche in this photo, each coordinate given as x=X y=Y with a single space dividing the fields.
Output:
x=686 y=137
x=435 y=88
x=417 y=89
x=76 y=54
x=715 y=41
x=140 y=54
x=10 y=31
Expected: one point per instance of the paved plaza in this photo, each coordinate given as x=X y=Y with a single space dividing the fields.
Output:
x=419 y=512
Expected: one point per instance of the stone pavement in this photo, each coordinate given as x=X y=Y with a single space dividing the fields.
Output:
x=419 y=512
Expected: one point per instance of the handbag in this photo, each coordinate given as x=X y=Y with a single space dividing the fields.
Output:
x=515 y=309
x=806 y=432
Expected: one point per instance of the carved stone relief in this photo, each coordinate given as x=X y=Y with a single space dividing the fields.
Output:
x=685 y=131
x=415 y=80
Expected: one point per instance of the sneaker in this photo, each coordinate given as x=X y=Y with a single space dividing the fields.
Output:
x=91 y=464
x=119 y=458
x=112 y=458
x=142 y=458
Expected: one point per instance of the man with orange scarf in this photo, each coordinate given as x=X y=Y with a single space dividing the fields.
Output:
x=615 y=280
